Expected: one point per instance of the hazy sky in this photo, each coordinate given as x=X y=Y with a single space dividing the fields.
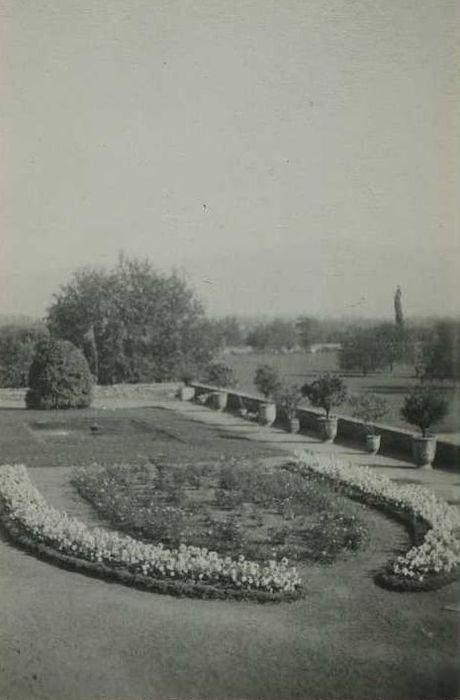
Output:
x=297 y=156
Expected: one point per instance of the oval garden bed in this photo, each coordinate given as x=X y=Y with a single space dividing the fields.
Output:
x=190 y=571
x=228 y=528
x=254 y=518
x=235 y=507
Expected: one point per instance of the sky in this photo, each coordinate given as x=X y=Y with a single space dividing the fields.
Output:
x=294 y=157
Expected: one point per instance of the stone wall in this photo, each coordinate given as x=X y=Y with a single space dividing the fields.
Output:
x=395 y=441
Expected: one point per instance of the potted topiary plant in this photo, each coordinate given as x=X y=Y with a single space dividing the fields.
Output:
x=287 y=400
x=267 y=381
x=424 y=407
x=326 y=392
x=187 y=375
x=242 y=408
x=369 y=408
x=219 y=375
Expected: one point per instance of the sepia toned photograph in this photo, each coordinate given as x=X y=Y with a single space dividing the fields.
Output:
x=229 y=350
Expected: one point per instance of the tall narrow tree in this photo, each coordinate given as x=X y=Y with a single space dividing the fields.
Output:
x=399 y=318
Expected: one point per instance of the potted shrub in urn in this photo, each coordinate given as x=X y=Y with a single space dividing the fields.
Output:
x=424 y=407
x=242 y=409
x=326 y=392
x=267 y=381
x=369 y=408
x=187 y=375
x=287 y=400
x=222 y=376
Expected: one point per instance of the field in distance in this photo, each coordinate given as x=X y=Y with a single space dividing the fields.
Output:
x=300 y=367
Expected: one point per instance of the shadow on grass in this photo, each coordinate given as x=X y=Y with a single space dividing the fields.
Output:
x=403 y=466
x=229 y=436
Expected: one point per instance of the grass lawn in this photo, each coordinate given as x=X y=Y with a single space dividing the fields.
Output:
x=137 y=436
x=65 y=635
x=301 y=367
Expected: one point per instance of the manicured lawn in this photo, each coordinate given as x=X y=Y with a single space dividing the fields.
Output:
x=300 y=367
x=127 y=436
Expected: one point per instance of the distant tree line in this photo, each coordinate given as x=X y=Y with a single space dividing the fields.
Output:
x=135 y=324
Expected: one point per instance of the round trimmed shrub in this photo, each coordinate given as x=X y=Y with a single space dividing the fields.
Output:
x=59 y=377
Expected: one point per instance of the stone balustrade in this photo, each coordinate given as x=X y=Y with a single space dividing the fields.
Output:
x=394 y=441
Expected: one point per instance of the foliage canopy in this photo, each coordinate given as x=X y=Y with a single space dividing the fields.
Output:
x=267 y=380
x=139 y=324
x=17 y=348
x=219 y=374
x=424 y=407
x=441 y=354
x=369 y=408
x=327 y=392
x=373 y=348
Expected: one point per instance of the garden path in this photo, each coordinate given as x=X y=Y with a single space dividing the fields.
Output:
x=55 y=486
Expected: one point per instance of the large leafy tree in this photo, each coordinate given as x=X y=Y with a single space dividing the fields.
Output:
x=133 y=322
x=441 y=353
x=310 y=331
x=17 y=348
x=371 y=349
x=275 y=335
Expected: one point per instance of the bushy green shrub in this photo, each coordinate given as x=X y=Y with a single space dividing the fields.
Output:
x=267 y=380
x=369 y=408
x=219 y=374
x=424 y=407
x=59 y=377
x=327 y=392
x=288 y=398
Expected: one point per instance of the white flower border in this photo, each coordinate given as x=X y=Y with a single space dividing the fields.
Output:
x=44 y=524
x=439 y=553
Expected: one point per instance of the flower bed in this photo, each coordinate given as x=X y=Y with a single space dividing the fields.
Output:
x=435 y=557
x=191 y=571
x=232 y=506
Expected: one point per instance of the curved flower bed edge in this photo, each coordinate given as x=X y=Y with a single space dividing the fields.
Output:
x=434 y=559
x=32 y=536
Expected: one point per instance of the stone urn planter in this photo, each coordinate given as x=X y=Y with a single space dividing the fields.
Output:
x=328 y=428
x=267 y=413
x=424 y=406
x=372 y=443
x=293 y=425
x=424 y=450
x=186 y=393
x=287 y=399
x=218 y=400
x=369 y=408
